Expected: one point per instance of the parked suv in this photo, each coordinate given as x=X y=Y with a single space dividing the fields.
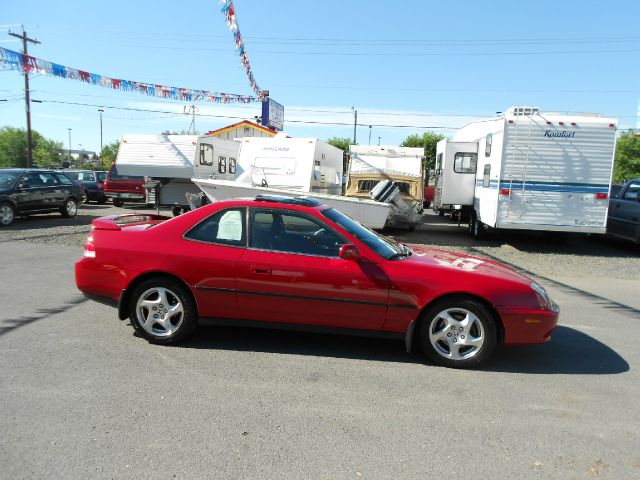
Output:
x=26 y=191
x=122 y=188
x=92 y=182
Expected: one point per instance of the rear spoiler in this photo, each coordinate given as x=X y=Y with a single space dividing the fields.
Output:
x=116 y=222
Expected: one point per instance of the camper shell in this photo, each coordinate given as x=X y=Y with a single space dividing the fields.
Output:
x=529 y=170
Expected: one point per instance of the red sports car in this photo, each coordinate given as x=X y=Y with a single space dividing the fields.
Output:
x=295 y=263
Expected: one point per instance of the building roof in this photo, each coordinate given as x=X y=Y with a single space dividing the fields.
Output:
x=238 y=125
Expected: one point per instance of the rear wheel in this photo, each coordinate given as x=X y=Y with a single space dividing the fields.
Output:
x=70 y=208
x=7 y=214
x=117 y=202
x=162 y=311
x=458 y=333
x=102 y=200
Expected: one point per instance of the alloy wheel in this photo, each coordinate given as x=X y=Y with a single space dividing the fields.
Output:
x=7 y=215
x=159 y=311
x=456 y=334
x=71 y=207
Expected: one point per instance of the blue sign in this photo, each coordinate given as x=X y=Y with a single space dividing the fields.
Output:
x=272 y=114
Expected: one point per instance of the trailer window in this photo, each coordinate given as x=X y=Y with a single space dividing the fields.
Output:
x=465 y=162
x=206 y=155
x=487 y=148
x=232 y=165
x=486 y=181
x=222 y=164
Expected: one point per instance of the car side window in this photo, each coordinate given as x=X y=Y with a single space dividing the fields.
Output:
x=226 y=227
x=633 y=191
x=48 y=179
x=291 y=232
x=63 y=179
x=31 y=180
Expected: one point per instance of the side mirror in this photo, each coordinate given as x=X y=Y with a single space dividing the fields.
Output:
x=349 y=252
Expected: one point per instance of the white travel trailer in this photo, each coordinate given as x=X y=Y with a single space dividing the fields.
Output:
x=300 y=164
x=370 y=165
x=292 y=166
x=170 y=161
x=529 y=170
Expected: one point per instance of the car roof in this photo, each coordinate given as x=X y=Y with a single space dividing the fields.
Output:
x=300 y=203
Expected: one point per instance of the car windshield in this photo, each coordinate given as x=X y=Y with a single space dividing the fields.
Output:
x=383 y=246
x=7 y=179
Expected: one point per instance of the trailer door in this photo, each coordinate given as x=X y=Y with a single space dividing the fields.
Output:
x=458 y=173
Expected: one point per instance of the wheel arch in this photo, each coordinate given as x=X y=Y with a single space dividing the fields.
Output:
x=410 y=334
x=123 y=303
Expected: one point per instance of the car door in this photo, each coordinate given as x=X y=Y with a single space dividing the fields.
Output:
x=624 y=213
x=53 y=193
x=207 y=259
x=291 y=273
x=29 y=192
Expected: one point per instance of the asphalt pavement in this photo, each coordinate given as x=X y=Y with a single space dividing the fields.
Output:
x=83 y=397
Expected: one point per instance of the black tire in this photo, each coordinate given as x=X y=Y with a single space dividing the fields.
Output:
x=7 y=214
x=70 y=208
x=102 y=200
x=449 y=353
x=441 y=213
x=175 y=293
x=477 y=227
x=117 y=202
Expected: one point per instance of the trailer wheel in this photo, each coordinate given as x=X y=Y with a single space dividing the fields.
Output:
x=477 y=227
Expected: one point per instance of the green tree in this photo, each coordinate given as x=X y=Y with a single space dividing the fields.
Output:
x=627 y=162
x=109 y=153
x=342 y=144
x=428 y=141
x=13 y=149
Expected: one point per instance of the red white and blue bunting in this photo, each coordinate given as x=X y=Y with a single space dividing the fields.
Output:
x=25 y=63
x=229 y=12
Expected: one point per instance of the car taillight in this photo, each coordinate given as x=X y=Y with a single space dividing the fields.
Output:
x=89 y=248
x=100 y=186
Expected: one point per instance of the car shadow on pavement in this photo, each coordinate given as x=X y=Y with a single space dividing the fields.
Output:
x=569 y=352
x=299 y=343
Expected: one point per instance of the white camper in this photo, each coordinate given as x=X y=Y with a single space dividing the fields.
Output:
x=404 y=166
x=529 y=170
x=168 y=163
x=293 y=166
x=300 y=164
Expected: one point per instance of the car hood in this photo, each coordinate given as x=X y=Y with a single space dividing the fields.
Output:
x=435 y=257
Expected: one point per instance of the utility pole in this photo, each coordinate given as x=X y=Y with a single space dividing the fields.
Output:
x=370 y=134
x=69 y=145
x=101 y=111
x=355 y=123
x=25 y=41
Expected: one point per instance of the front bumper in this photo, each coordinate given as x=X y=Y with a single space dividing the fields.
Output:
x=526 y=325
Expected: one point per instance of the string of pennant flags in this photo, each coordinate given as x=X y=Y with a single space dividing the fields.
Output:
x=12 y=60
x=229 y=12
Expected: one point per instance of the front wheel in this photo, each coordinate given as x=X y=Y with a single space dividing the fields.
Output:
x=117 y=202
x=70 y=208
x=458 y=333
x=162 y=311
x=7 y=214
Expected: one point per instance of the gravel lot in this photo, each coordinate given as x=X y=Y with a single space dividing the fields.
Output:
x=83 y=397
x=580 y=257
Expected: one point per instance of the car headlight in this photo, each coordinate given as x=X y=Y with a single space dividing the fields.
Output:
x=543 y=297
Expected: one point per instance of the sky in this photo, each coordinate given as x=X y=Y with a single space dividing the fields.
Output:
x=406 y=67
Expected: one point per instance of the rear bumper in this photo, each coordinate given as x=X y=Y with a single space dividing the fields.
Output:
x=525 y=326
x=132 y=197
